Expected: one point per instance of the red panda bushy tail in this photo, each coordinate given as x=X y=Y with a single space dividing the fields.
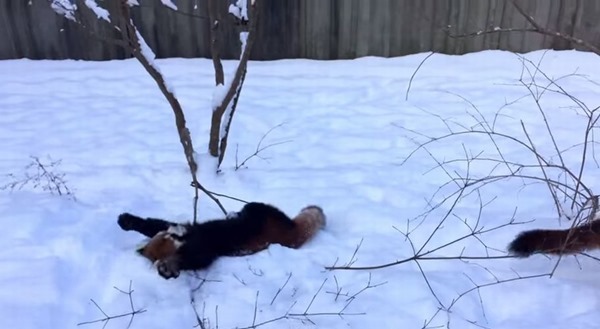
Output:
x=557 y=242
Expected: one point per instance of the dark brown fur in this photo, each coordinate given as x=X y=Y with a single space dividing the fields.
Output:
x=306 y=224
x=557 y=242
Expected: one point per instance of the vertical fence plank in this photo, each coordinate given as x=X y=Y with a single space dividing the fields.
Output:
x=439 y=26
x=8 y=47
x=587 y=27
x=361 y=27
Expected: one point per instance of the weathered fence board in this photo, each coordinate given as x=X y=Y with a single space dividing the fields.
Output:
x=320 y=29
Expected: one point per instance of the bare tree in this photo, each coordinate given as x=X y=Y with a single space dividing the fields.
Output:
x=228 y=92
x=118 y=17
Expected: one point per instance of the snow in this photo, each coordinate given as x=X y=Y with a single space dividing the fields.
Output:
x=100 y=12
x=218 y=95
x=239 y=9
x=65 y=8
x=169 y=4
x=112 y=130
x=149 y=55
x=243 y=40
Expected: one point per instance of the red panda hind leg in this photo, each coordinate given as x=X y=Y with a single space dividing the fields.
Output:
x=306 y=225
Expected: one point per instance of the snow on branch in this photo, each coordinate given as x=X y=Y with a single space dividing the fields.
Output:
x=100 y=12
x=239 y=9
x=64 y=8
x=169 y=4
x=69 y=8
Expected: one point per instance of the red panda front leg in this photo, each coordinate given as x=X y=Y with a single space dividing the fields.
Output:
x=148 y=226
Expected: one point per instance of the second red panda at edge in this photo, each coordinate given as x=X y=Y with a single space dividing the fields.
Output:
x=175 y=247
x=557 y=242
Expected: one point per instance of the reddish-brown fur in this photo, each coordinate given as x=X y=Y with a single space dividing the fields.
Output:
x=568 y=241
x=307 y=223
x=161 y=246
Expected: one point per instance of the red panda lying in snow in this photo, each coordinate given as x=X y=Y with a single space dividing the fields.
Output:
x=175 y=247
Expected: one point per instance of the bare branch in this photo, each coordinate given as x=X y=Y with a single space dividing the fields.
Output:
x=131 y=314
x=415 y=73
x=40 y=175
x=281 y=288
x=260 y=148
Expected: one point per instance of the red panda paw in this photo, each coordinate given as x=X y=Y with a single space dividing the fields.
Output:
x=127 y=221
x=168 y=268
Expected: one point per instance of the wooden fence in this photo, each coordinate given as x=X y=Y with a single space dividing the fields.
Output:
x=319 y=29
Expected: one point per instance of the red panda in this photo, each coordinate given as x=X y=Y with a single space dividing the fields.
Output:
x=569 y=241
x=174 y=247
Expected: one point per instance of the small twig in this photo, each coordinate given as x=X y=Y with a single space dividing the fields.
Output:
x=315 y=296
x=202 y=281
x=255 y=310
x=40 y=175
x=260 y=148
x=240 y=280
x=415 y=73
x=220 y=194
x=495 y=282
x=281 y=288
x=368 y=286
x=200 y=322
x=353 y=258
x=256 y=272
x=338 y=289
x=132 y=313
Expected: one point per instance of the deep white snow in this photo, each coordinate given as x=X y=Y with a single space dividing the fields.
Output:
x=340 y=129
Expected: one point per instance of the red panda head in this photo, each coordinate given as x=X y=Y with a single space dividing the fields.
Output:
x=161 y=246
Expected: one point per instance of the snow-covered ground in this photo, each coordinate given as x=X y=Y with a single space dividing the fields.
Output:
x=342 y=135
